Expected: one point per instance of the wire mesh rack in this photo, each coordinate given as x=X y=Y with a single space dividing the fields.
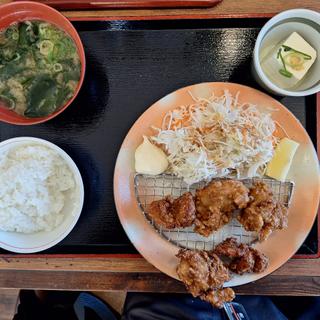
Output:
x=150 y=188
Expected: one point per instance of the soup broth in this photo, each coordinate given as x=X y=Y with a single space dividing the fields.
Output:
x=39 y=68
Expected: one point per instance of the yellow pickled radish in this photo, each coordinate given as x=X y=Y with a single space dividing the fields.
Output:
x=279 y=165
x=149 y=159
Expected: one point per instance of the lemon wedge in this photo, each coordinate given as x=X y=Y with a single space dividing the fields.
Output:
x=279 y=165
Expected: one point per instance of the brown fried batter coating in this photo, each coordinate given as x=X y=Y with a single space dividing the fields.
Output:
x=261 y=261
x=184 y=211
x=169 y=213
x=231 y=248
x=193 y=270
x=201 y=271
x=219 y=296
x=204 y=274
x=263 y=214
x=243 y=257
x=160 y=212
x=251 y=261
x=243 y=264
x=216 y=202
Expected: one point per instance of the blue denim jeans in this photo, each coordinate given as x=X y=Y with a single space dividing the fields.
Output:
x=184 y=307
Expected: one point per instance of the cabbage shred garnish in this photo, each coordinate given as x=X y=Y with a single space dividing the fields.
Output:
x=217 y=137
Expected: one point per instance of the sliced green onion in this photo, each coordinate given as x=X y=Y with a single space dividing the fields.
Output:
x=43 y=27
x=306 y=56
x=15 y=36
x=57 y=67
x=29 y=25
x=46 y=47
x=16 y=56
x=12 y=33
x=285 y=73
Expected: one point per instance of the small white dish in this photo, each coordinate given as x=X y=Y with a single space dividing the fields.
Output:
x=39 y=241
x=307 y=24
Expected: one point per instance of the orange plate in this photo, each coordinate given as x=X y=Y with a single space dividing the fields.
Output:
x=27 y=10
x=304 y=172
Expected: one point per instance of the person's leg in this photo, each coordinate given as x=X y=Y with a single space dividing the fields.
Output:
x=260 y=308
x=149 y=306
x=299 y=308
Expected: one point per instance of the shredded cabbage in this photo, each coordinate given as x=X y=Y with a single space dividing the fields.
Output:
x=217 y=137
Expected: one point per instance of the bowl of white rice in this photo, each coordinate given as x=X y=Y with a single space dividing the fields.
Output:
x=41 y=194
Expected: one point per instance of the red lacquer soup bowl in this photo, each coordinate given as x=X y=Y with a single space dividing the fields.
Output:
x=27 y=10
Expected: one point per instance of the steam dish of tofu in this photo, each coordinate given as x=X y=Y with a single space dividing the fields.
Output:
x=289 y=61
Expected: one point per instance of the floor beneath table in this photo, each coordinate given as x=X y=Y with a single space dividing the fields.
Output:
x=8 y=303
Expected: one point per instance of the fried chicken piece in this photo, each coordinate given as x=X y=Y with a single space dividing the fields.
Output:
x=261 y=261
x=184 y=211
x=243 y=264
x=204 y=274
x=263 y=214
x=169 y=213
x=230 y=248
x=193 y=270
x=277 y=220
x=160 y=212
x=201 y=271
x=251 y=261
x=216 y=202
x=243 y=257
x=219 y=296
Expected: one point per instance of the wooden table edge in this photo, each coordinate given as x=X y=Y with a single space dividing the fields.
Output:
x=296 y=277
x=127 y=264
x=285 y=285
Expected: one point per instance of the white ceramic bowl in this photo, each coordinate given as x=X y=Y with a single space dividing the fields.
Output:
x=29 y=243
x=307 y=24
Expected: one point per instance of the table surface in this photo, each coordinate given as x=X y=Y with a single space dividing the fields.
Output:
x=133 y=273
x=94 y=273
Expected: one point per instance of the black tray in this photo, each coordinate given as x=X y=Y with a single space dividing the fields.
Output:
x=130 y=65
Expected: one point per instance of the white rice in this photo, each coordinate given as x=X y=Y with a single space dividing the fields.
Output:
x=34 y=183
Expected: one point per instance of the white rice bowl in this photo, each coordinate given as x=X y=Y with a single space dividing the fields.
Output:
x=41 y=194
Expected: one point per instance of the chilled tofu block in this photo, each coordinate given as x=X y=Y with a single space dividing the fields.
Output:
x=289 y=61
x=279 y=165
